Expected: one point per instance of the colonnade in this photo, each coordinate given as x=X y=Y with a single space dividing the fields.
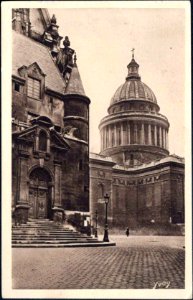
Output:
x=128 y=133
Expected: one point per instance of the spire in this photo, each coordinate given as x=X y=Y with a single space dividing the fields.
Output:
x=75 y=59
x=75 y=85
x=53 y=19
x=133 y=68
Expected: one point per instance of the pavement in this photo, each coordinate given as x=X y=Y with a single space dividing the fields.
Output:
x=136 y=262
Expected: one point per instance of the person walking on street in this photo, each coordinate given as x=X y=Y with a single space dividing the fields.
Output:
x=127 y=231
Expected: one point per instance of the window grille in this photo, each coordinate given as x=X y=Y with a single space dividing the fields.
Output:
x=33 y=88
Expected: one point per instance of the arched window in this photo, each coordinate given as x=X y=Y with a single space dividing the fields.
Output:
x=42 y=141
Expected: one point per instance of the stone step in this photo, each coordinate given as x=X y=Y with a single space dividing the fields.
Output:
x=38 y=241
x=71 y=245
x=45 y=233
x=46 y=226
x=49 y=238
x=42 y=230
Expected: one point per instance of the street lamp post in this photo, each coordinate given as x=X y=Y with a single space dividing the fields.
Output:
x=106 y=237
x=96 y=219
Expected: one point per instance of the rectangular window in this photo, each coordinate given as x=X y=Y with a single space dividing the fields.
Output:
x=33 y=88
x=17 y=87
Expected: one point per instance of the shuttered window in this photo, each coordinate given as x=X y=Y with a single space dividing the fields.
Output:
x=33 y=88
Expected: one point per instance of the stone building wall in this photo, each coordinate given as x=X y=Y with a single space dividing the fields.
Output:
x=139 y=195
x=50 y=120
x=75 y=177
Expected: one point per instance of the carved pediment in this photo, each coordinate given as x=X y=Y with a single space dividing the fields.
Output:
x=33 y=70
x=28 y=134
x=31 y=132
x=58 y=141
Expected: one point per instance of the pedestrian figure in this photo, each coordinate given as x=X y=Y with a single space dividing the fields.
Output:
x=127 y=231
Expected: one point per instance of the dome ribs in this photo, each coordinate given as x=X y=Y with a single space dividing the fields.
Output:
x=132 y=90
x=141 y=90
x=122 y=92
x=127 y=84
x=136 y=89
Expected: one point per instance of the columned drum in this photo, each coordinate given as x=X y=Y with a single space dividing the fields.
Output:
x=134 y=127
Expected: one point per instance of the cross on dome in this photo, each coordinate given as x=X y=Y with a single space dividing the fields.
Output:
x=132 y=50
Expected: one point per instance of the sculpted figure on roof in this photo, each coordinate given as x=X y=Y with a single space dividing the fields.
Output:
x=64 y=59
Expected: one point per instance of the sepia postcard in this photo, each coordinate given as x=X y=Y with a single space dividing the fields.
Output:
x=96 y=150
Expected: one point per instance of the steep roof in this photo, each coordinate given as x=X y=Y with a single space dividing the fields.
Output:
x=26 y=51
x=75 y=85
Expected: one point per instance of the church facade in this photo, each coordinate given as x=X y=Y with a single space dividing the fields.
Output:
x=52 y=171
x=144 y=183
x=50 y=121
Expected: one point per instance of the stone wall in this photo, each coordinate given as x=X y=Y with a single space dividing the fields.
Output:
x=138 y=196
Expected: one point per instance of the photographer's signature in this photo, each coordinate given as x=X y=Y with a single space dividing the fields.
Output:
x=161 y=284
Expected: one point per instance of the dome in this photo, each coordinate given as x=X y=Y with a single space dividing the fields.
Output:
x=134 y=131
x=133 y=90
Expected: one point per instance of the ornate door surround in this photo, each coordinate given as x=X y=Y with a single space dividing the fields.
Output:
x=40 y=193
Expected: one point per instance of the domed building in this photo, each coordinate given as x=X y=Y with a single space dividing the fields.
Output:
x=144 y=183
x=53 y=173
x=134 y=132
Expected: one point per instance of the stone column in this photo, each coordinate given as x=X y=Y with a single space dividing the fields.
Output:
x=122 y=135
x=57 y=185
x=107 y=136
x=142 y=134
x=155 y=135
x=101 y=132
x=110 y=137
x=103 y=135
x=115 y=134
x=135 y=133
x=52 y=195
x=48 y=145
x=128 y=134
x=163 y=132
x=58 y=211
x=106 y=139
x=149 y=135
x=23 y=178
x=160 y=136
x=37 y=141
x=22 y=202
x=167 y=142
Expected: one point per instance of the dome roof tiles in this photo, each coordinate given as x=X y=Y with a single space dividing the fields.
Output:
x=133 y=89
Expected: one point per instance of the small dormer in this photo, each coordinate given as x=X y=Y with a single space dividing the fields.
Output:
x=35 y=80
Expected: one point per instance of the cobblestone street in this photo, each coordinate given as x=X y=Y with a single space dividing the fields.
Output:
x=135 y=263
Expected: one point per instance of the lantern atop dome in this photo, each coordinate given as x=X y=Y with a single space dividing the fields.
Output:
x=133 y=68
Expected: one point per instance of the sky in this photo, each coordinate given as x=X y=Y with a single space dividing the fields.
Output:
x=103 y=39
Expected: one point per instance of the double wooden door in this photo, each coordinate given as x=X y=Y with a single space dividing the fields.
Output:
x=38 y=203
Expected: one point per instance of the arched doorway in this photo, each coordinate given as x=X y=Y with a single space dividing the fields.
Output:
x=40 y=194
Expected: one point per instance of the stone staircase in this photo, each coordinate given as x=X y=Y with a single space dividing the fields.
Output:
x=46 y=234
